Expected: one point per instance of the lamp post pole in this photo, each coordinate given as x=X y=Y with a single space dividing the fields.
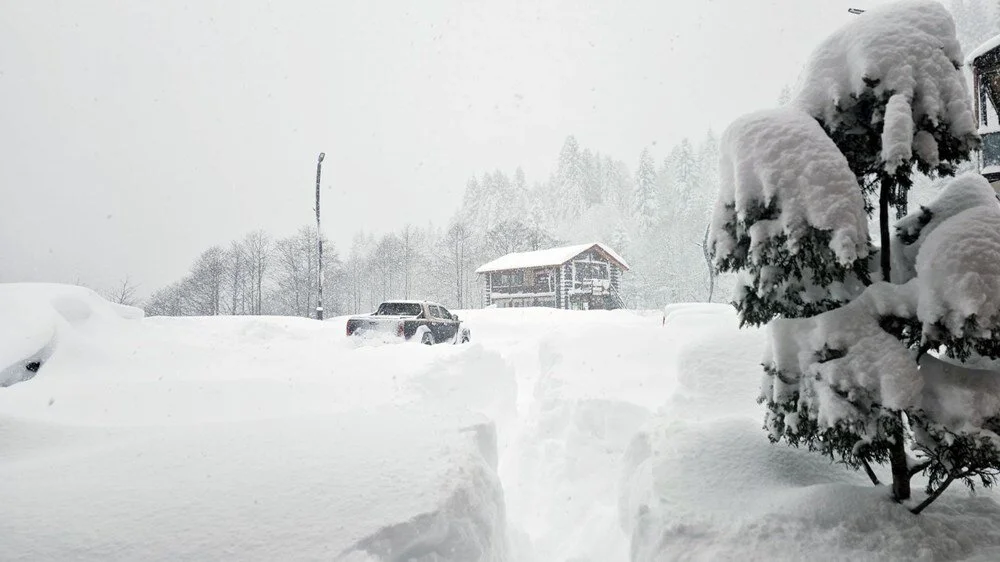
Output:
x=319 y=238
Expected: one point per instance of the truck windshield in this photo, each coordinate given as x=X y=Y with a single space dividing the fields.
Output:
x=398 y=309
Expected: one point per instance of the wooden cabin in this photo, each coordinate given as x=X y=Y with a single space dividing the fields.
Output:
x=985 y=65
x=581 y=277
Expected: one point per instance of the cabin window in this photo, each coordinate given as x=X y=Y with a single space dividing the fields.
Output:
x=585 y=271
x=508 y=279
x=542 y=278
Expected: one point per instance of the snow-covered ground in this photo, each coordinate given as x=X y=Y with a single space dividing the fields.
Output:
x=554 y=436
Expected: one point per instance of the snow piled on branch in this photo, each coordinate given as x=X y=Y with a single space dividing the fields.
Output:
x=783 y=157
x=909 y=50
x=960 y=398
x=868 y=365
x=960 y=194
x=959 y=271
x=841 y=362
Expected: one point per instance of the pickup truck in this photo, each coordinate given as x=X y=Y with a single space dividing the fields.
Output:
x=422 y=321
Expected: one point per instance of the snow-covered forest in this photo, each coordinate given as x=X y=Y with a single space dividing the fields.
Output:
x=654 y=213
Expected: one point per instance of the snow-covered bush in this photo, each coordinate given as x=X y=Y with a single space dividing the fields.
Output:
x=848 y=371
x=888 y=90
x=789 y=217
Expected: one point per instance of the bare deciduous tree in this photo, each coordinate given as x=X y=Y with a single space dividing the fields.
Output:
x=257 y=246
x=122 y=293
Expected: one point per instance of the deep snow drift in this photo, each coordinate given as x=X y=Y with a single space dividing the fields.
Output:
x=240 y=438
x=613 y=437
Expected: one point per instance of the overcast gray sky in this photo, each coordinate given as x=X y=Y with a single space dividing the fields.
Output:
x=134 y=135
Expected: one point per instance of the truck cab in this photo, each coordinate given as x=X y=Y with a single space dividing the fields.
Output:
x=423 y=321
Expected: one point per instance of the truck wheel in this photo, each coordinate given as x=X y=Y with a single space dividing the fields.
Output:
x=427 y=339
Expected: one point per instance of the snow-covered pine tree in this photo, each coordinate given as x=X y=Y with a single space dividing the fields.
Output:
x=646 y=198
x=520 y=201
x=881 y=97
x=590 y=172
x=568 y=189
x=617 y=185
x=683 y=163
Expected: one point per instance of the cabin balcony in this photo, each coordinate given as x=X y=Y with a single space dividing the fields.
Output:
x=530 y=290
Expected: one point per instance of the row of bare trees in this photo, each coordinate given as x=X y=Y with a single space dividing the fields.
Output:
x=253 y=275
x=261 y=275
x=425 y=263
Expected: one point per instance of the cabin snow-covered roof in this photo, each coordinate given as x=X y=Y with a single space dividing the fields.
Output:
x=544 y=258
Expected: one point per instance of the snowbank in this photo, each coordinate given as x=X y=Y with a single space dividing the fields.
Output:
x=244 y=438
x=307 y=488
x=557 y=435
x=35 y=316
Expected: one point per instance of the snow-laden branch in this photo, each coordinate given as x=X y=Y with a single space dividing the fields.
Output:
x=909 y=52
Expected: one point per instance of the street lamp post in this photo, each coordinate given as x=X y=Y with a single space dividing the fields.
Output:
x=319 y=238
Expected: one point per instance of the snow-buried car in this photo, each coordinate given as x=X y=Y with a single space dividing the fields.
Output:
x=421 y=321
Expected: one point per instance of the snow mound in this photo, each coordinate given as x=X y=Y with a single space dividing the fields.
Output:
x=961 y=193
x=721 y=491
x=911 y=50
x=782 y=159
x=390 y=480
x=689 y=312
x=705 y=382
x=33 y=317
x=252 y=438
x=958 y=267
x=477 y=380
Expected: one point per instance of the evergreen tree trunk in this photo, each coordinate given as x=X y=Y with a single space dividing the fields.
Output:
x=900 y=470
x=897 y=452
